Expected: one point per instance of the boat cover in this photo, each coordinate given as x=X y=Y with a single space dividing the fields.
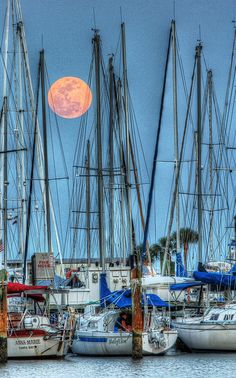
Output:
x=122 y=298
x=224 y=280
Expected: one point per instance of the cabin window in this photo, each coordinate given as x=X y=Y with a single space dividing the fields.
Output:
x=214 y=317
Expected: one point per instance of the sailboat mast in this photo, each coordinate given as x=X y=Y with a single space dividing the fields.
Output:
x=209 y=77
x=199 y=151
x=25 y=60
x=88 y=203
x=96 y=44
x=5 y=180
x=126 y=112
x=46 y=180
x=111 y=161
x=176 y=139
x=4 y=139
x=118 y=99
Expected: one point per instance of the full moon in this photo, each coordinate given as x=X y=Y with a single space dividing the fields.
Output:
x=69 y=97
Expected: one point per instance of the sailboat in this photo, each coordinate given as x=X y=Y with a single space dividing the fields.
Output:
x=212 y=328
x=101 y=332
x=100 y=329
x=30 y=332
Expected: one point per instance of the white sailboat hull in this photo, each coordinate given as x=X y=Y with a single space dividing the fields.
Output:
x=33 y=346
x=116 y=344
x=207 y=336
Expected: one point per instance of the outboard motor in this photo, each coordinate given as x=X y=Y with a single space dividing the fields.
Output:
x=157 y=339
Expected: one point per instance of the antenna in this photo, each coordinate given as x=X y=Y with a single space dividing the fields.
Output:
x=42 y=41
x=94 y=19
x=174 y=9
x=121 y=15
x=199 y=34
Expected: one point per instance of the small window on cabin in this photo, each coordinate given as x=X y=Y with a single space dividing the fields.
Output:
x=214 y=317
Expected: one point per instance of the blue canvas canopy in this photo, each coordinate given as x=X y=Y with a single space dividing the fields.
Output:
x=185 y=285
x=122 y=298
x=224 y=280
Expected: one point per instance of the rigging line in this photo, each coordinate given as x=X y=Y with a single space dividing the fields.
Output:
x=143 y=253
x=183 y=77
x=10 y=85
x=204 y=60
x=180 y=157
x=58 y=131
x=3 y=28
x=230 y=104
x=169 y=202
x=54 y=163
x=229 y=79
x=139 y=136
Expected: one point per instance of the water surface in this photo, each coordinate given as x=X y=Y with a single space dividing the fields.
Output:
x=195 y=365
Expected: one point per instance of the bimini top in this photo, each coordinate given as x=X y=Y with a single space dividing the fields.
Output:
x=33 y=292
x=122 y=298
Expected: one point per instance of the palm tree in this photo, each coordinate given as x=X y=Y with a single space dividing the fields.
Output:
x=187 y=236
x=157 y=251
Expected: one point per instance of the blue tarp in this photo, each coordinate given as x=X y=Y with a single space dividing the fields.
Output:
x=224 y=280
x=180 y=269
x=122 y=298
x=233 y=269
x=185 y=285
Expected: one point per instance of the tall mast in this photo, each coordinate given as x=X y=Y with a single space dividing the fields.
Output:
x=96 y=44
x=3 y=174
x=176 y=142
x=40 y=157
x=5 y=180
x=45 y=150
x=199 y=152
x=126 y=112
x=119 y=107
x=21 y=157
x=209 y=77
x=111 y=162
x=88 y=203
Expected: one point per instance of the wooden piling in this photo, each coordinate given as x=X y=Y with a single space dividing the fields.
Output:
x=3 y=316
x=137 y=316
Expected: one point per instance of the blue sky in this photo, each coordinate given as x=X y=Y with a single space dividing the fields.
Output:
x=63 y=27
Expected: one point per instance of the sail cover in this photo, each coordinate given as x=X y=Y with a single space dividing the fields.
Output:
x=185 y=285
x=122 y=298
x=223 y=280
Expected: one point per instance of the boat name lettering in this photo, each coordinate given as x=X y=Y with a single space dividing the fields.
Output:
x=28 y=342
x=118 y=340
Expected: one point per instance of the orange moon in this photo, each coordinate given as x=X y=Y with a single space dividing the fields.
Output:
x=69 y=97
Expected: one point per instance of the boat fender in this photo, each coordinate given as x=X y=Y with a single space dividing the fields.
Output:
x=35 y=322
